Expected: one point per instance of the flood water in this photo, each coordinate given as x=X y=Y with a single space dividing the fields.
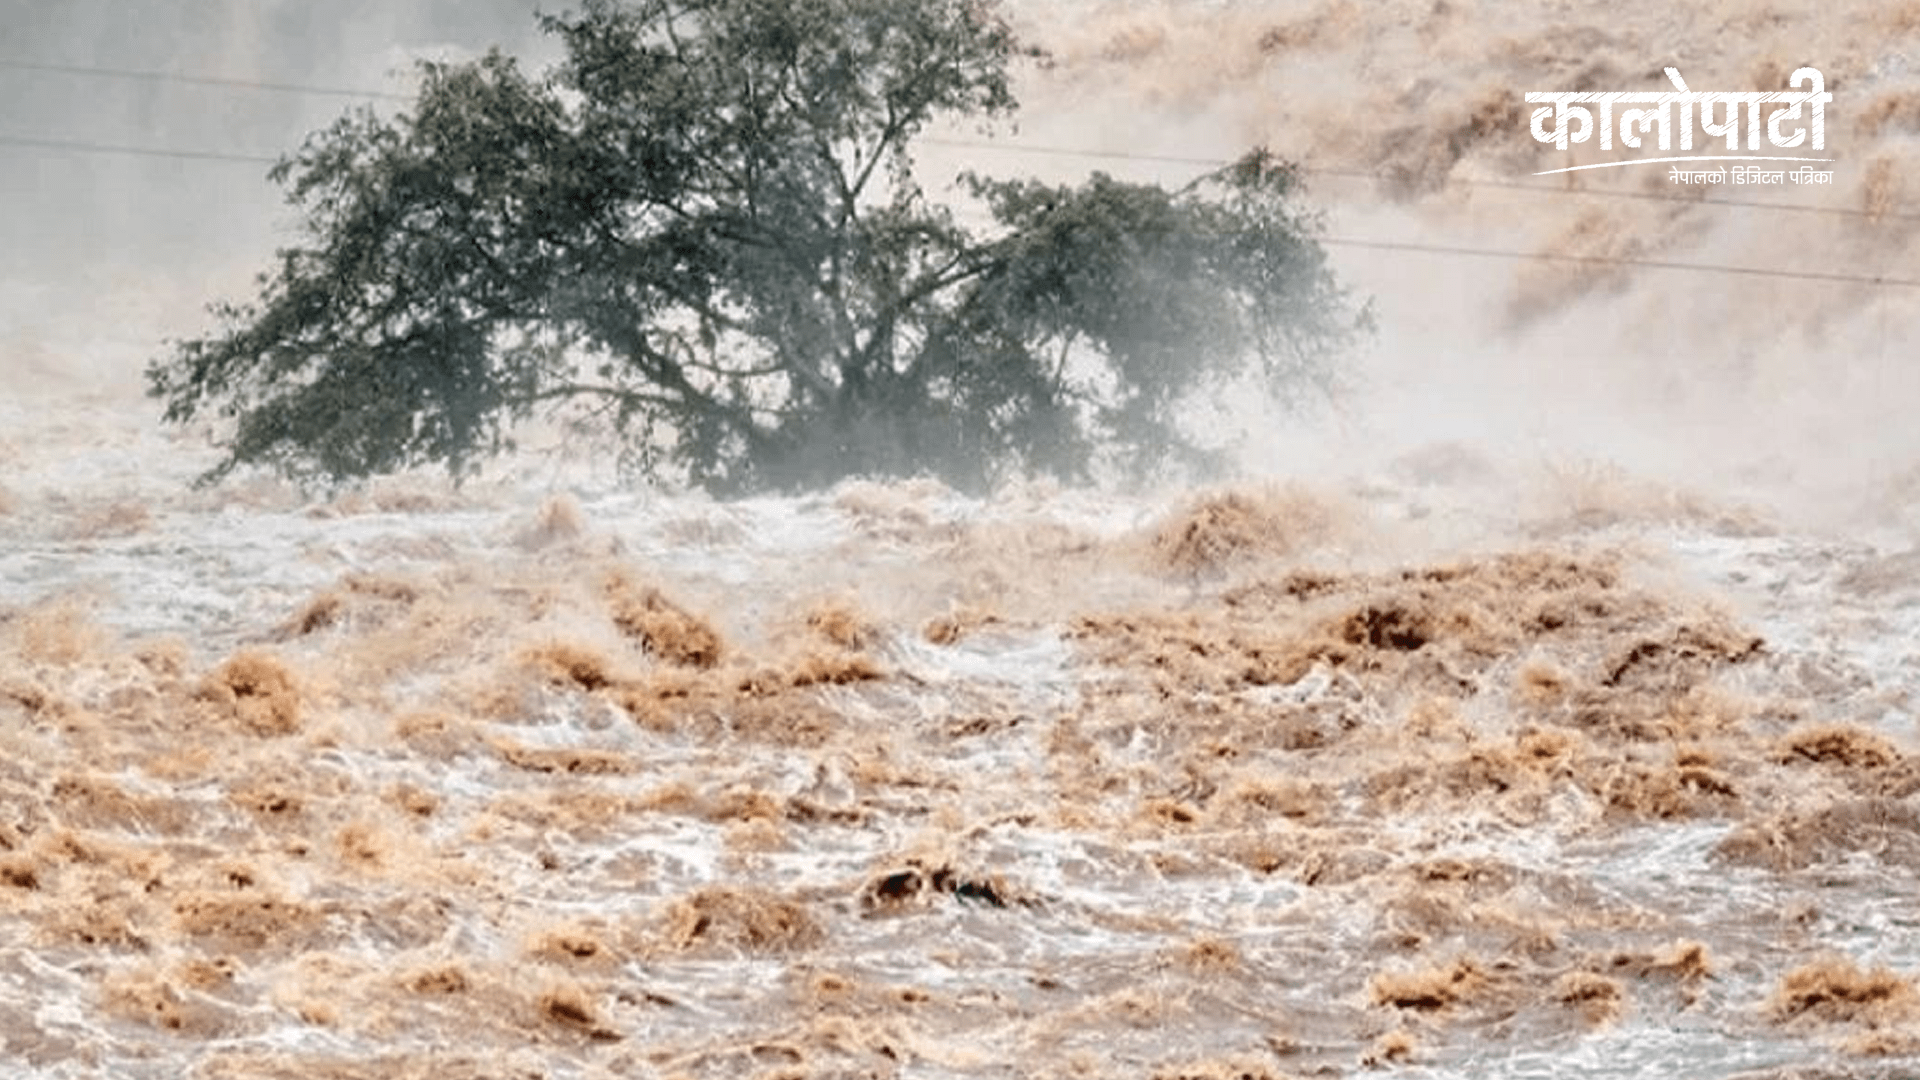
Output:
x=1545 y=708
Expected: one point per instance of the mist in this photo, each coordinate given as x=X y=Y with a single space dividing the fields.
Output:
x=1543 y=705
x=1404 y=115
x=105 y=254
x=1408 y=118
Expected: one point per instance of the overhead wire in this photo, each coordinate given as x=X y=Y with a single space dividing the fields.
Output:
x=85 y=146
x=200 y=80
x=1351 y=172
x=1603 y=260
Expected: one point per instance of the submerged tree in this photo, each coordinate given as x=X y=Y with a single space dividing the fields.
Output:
x=703 y=225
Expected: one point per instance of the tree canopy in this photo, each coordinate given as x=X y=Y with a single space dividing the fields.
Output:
x=703 y=225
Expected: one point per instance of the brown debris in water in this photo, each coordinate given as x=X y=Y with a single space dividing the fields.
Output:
x=1848 y=746
x=917 y=879
x=1685 y=961
x=662 y=627
x=815 y=669
x=1422 y=631
x=1678 y=657
x=1670 y=793
x=105 y=920
x=575 y=945
x=1795 y=839
x=1518 y=772
x=1835 y=990
x=1396 y=1047
x=842 y=623
x=1430 y=989
x=1613 y=683
x=35 y=699
x=258 y=691
x=775 y=701
x=245 y=920
x=1170 y=812
x=1600 y=999
x=1228 y=530
x=318 y=614
x=437 y=980
x=279 y=796
x=752 y=919
x=19 y=872
x=581 y=666
x=570 y=1005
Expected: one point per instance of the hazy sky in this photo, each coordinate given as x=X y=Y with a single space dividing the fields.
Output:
x=96 y=244
x=104 y=255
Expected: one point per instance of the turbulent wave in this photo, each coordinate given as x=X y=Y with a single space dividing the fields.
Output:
x=1543 y=709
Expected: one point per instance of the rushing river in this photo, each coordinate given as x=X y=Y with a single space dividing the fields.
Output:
x=1545 y=708
x=1258 y=781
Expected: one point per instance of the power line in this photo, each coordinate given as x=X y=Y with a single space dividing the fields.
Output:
x=1699 y=199
x=202 y=80
x=982 y=144
x=80 y=146
x=1380 y=177
x=1332 y=241
x=1335 y=240
x=1067 y=151
x=1601 y=260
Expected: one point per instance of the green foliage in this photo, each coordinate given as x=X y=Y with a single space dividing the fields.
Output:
x=703 y=225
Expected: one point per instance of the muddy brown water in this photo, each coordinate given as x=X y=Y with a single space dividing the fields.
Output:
x=889 y=782
x=1550 y=716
